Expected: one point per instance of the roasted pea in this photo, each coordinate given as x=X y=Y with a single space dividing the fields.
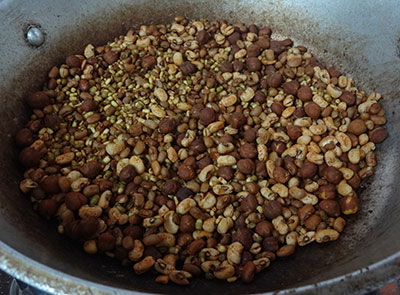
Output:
x=198 y=147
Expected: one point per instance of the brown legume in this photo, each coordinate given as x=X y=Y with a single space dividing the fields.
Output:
x=357 y=127
x=313 y=110
x=248 y=272
x=272 y=209
x=378 y=135
x=304 y=93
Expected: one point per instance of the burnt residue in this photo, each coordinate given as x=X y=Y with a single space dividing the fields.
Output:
x=333 y=34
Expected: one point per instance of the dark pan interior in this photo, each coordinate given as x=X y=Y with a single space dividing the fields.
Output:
x=360 y=40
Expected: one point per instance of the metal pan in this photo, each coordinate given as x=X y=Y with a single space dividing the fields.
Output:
x=360 y=38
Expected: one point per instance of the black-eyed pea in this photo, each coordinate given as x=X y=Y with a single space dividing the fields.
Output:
x=318 y=129
x=307 y=238
x=363 y=139
x=314 y=147
x=144 y=265
x=342 y=81
x=225 y=224
x=329 y=123
x=333 y=91
x=90 y=190
x=354 y=155
x=304 y=140
x=210 y=266
x=328 y=142
x=311 y=187
x=90 y=247
x=224 y=271
x=285 y=250
x=169 y=225
x=234 y=253
x=206 y=173
x=138 y=164
x=280 y=225
x=370 y=159
x=317 y=159
x=291 y=238
x=222 y=189
x=326 y=235
x=208 y=201
x=262 y=151
x=78 y=184
x=171 y=259
x=27 y=184
x=267 y=193
x=332 y=160
x=104 y=199
x=226 y=160
x=286 y=213
x=189 y=137
x=137 y=251
x=156 y=168
x=163 y=267
x=345 y=124
x=293 y=222
x=310 y=199
x=255 y=248
x=199 y=234
x=185 y=206
x=114 y=148
x=86 y=211
x=162 y=279
x=280 y=189
x=294 y=181
x=344 y=141
x=102 y=226
x=172 y=154
x=139 y=147
x=366 y=172
x=180 y=277
x=270 y=168
x=297 y=193
x=167 y=240
x=288 y=112
x=228 y=101
x=339 y=224
x=65 y=158
x=378 y=120
x=209 y=254
x=223 y=201
x=114 y=214
x=153 y=221
x=344 y=189
x=291 y=152
x=303 y=122
x=229 y=211
x=347 y=173
x=254 y=218
x=261 y=263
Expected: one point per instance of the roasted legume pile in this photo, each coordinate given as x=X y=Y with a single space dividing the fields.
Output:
x=198 y=149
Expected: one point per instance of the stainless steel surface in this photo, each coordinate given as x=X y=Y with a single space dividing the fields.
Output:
x=360 y=38
x=34 y=35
